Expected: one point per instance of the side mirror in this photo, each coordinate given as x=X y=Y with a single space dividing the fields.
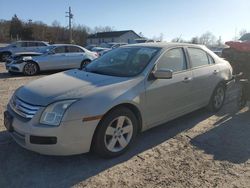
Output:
x=163 y=74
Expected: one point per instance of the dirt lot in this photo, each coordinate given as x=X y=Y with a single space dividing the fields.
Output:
x=197 y=150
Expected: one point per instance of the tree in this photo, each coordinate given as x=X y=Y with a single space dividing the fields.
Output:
x=99 y=29
x=15 y=27
x=242 y=32
x=195 y=40
x=207 y=39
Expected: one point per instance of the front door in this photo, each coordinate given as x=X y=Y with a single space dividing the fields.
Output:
x=169 y=98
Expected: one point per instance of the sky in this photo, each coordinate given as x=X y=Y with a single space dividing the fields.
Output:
x=175 y=18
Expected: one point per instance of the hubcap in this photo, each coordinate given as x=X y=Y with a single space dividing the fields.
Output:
x=30 y=68
x=219 y=97
x=118 y=134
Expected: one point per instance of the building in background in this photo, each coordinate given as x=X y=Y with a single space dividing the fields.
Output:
x=128 y=36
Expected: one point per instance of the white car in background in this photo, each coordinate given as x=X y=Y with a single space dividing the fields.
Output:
x=53 y=57
x=21 y=46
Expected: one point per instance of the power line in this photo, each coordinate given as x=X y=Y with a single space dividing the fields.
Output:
x=70 y=16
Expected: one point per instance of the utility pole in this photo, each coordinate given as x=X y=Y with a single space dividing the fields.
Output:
x=70 y=16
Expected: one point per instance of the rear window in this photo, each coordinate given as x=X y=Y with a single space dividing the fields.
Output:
x=198 y=57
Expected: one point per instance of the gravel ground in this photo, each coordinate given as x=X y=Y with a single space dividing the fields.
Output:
x=197 y=150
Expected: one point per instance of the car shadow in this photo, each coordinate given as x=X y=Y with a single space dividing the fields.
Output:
x=229 y=140
x=23 y=168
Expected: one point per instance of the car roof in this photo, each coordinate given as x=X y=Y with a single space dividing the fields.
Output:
x=31 y=41
x=65 y=45
x=163 y=45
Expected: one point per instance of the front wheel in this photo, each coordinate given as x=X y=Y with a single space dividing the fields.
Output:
x=217 y=99
x=30 y=69
x=115 y=133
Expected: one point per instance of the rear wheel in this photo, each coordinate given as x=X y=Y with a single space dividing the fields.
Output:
x=115 y=133
x=84 y=63
x=30 y=69
x=217 y=99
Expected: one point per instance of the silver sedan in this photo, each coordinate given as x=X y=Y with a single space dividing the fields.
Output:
x=54 y=57
x=128 y=90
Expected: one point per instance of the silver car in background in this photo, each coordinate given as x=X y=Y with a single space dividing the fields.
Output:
x=128 y=90
x=20 y=46
x=53 y=57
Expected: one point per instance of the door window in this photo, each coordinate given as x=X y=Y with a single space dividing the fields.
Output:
x=40 y=44
x=75 y=49
x=32 y=44
x=24 y=44
x=60 y=49
x=198 y=57
x=211 y=60
x=174 y=60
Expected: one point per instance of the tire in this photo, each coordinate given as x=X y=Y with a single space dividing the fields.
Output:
x=218 y=98
x=5 y=56
x=115 y=133
x=84 y=63
x=30 y=69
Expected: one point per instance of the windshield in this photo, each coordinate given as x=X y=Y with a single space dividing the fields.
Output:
x=123 y=62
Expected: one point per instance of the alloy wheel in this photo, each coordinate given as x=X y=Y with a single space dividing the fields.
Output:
x=30 y=69
x=118 y=134
x=219 y=97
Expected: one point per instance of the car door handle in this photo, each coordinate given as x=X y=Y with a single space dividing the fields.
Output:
x=187 y=79
x=215 y=72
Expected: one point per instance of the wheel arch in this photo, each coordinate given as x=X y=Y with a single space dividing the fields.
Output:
x=32 y=61
x=127 y=105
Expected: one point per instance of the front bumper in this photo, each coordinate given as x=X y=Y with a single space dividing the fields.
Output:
x=71 y=137
x=14 y=67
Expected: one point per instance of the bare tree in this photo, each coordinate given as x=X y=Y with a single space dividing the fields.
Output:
x=195 y=40
x=242 y=32
x=207 y=39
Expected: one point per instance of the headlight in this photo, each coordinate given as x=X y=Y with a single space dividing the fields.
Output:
x=18 y=61
x=53 y=114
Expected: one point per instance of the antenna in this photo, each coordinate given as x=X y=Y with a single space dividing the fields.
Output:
x=70 y=16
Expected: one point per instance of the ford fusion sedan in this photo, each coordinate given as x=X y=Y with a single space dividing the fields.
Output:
x=54 y=57
x=104 y=106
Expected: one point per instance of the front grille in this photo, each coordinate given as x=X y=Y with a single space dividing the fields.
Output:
x=22 y=108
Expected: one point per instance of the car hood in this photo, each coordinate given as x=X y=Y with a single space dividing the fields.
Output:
x=72 y=84
x=28 y=54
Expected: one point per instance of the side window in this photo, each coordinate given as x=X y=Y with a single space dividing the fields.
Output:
x=198 y=57
x=24 y=44
x=60 y=49
x=74 y=49
x=31 y=44
x=174 y=60
x=41 y=44
x=211 y=60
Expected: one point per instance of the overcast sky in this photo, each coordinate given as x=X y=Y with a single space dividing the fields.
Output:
x=186 y=18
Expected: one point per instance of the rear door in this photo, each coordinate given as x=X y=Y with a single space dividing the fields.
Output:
x=75 y=56
x=205 y=75
x=169 y=98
